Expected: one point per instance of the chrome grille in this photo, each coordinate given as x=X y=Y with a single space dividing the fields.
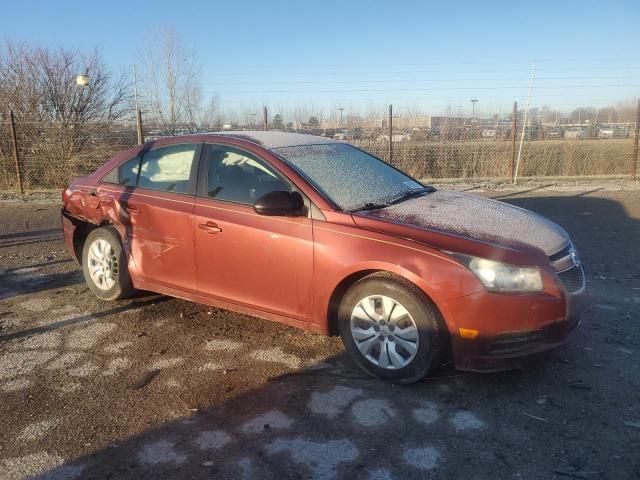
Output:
x=572 y=279
x=560 y=254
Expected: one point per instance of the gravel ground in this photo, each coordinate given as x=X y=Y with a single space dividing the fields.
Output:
x=158 y=387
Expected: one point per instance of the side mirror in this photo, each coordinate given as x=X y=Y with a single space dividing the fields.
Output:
x=279 y=203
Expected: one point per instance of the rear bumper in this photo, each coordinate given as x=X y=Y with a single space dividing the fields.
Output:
x=528 y=326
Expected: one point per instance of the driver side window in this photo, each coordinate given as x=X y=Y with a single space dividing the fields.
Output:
x=237 y=176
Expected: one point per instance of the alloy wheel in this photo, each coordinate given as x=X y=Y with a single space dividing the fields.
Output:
x=384 y=332
x=102 y=264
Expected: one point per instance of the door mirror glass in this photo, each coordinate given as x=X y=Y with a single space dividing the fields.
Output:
x=279 y=202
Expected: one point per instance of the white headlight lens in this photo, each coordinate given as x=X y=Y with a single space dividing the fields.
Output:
x=501 y=277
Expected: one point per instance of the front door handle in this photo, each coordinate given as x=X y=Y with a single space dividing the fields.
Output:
x=210 y=227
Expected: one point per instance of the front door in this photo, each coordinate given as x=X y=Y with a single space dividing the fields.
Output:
x=264 y=262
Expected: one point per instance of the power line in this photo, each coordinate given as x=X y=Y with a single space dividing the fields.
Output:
x=346 y=82
x=283 y=70
x=360 y=90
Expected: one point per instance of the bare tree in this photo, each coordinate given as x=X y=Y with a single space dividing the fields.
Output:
x=40 y=85
x=171 y=90
x=63 y=128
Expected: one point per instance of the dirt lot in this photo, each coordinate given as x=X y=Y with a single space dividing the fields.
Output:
x=158 y=387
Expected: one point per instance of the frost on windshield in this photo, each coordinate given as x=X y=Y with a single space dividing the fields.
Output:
x=348 y=176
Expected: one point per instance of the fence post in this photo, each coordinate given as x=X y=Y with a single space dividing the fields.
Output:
x=514 y=126
x=139 y=126
x=390 y=134
x=265 y=121
x=634 y=172
x=16 y=156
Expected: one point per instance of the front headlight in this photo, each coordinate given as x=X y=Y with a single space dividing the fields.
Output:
x=502 y=277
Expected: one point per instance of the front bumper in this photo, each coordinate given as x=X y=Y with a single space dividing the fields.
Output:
x=511 y=328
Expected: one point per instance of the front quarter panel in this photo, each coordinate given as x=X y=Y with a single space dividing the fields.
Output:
x=341 y=250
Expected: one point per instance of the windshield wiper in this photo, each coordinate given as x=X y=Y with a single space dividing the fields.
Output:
x=414 y=192
x=370 y=206
x=403 y=196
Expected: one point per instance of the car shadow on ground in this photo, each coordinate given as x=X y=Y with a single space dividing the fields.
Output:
x=330 y=421
x=28 y=280
x=30 y=237
x=152 y=299
x=602 y=229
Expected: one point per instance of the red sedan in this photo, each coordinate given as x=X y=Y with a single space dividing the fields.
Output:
x=320 y=235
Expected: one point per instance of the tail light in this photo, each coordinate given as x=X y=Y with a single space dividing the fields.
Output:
x=66 y=195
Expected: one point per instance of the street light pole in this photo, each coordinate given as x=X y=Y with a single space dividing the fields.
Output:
x=341 y=109
x=473 y=107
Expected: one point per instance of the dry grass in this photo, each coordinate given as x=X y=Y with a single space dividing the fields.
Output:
x=492 y=158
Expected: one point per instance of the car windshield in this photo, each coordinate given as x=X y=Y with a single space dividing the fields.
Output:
x=349 y=177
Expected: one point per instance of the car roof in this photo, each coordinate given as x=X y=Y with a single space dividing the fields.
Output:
x=271 y=140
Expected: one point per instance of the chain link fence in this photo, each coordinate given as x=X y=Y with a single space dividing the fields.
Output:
x=428 y=148
x=50 y=153
x=471 y=156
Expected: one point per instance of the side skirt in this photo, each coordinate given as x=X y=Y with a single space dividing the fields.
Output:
x=197 y=298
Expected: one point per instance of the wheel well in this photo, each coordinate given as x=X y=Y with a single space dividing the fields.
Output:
x=345 y=284
x=338 y=293
x=82 y=231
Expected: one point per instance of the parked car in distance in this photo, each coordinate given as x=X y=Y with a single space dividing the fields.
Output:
x=554 y=133
x=576 y=133
x=320 y=235
x=612 y=132
x=489 y=133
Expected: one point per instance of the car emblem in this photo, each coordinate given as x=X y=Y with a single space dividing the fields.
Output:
x=574 y=257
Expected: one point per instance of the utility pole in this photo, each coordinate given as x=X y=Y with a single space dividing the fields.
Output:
x=473 y=109
x=635 y=144
x=265 y=119
x=514 y=126
x=16 y=155
x=524 y=123
x=341 y=109
x=138 y=113
x=391 y=134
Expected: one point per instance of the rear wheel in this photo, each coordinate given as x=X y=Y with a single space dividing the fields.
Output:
x=390 y=329
x=104 y=265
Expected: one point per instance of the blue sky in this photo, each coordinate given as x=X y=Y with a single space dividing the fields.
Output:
x=425 y=54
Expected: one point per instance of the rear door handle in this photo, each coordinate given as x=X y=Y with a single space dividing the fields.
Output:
x=131 y=210
x=210 y=227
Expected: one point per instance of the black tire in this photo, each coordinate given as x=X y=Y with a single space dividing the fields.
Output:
x=122 y=286
x=432 y=336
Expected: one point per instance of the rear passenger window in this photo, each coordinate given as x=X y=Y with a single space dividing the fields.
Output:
x=128 y=172
x=167 y=168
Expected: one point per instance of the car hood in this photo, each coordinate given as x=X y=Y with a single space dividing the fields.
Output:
x=477 y=218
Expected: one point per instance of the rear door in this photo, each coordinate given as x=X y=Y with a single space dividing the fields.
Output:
x=158 y=202
x=264 y=262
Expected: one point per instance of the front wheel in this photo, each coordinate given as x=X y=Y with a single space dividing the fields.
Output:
x=390 y=329
x=104 y=265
